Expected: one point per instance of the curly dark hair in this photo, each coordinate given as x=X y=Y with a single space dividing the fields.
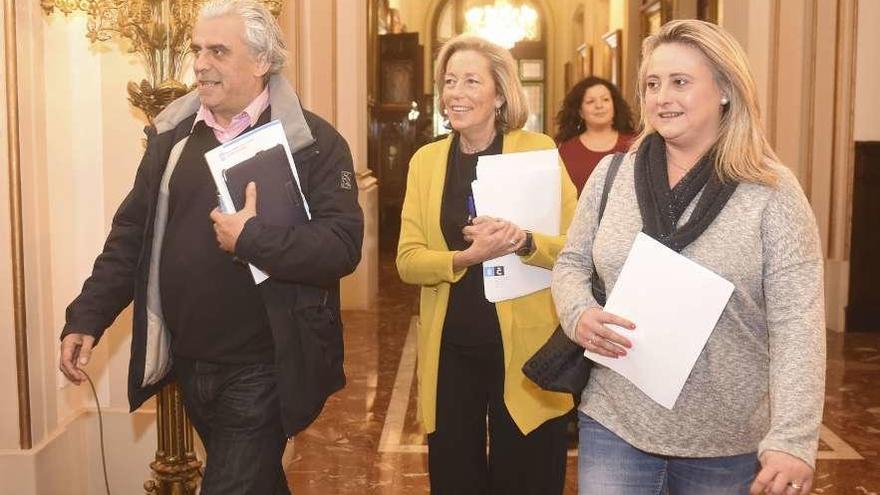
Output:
x=569 y=122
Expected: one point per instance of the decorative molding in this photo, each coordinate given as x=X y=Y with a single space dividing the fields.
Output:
x=773 y=76
x=809 y=99
x=15 y=213
x=298 y=37
x=844 y=120
x=334 y=47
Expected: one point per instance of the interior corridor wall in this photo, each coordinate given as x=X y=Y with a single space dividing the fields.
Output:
x=802 y=53
x=80 y=143
x=328 y=40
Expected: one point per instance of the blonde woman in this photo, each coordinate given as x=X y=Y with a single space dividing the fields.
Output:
x=471 y=351
x=704 y=181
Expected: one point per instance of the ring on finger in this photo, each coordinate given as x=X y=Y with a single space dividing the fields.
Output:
x=795 y=485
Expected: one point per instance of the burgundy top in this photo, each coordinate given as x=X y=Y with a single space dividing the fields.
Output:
x=580 y=161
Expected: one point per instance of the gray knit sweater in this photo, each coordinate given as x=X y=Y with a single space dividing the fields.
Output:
x=759 y=382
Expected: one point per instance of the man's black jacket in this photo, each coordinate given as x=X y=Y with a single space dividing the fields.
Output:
x=305 y=262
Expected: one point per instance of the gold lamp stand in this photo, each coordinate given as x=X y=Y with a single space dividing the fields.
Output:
x=176 y=470
x=159 y=32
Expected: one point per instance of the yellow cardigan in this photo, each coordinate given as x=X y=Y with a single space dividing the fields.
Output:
x=423 y=258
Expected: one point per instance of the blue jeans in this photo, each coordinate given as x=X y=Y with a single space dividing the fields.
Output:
x=235 y=410
x=608 y=465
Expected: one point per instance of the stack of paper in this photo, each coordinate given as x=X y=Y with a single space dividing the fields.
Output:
x=675 y=304
x=525 y=189
x=240 y=149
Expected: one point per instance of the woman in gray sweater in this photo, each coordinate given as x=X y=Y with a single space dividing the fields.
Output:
x=702 y=179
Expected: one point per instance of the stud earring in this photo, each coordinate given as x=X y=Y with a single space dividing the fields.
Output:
x=724 y=101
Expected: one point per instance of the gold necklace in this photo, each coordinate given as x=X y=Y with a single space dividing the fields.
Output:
x=683 y=169
x=470 y=150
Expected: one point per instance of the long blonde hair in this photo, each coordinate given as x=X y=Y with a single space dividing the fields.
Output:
x=514 y=111
x=742 y=152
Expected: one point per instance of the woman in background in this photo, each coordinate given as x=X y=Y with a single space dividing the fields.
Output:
x=594 y=121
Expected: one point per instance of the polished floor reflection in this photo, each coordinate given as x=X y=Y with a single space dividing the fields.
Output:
x=366 y=440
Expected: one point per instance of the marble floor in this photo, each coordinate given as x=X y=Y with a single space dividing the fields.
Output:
x=366 y=440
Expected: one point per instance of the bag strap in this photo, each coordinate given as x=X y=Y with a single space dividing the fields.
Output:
x=596 y=283
x=609 y=181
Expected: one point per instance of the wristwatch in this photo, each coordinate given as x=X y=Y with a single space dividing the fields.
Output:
x=528 y=246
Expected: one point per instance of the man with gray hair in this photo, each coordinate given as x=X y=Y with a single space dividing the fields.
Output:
x=255 y=363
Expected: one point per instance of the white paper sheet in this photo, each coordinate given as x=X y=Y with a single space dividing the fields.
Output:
x=675 y=304
x=241 y=148
x=492 y=166
x=525 y=189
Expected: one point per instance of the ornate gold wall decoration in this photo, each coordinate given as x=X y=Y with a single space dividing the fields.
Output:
x=158 y=31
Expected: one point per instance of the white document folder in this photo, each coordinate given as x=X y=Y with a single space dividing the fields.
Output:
x=240 y=149
x=525 y=189
x=675 y=304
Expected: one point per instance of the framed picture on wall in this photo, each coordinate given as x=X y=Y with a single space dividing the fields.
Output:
x=569 y=76
x=707 y=10
x=531 y=70
x=655 y=13
x=612 y=58
x=585 y=59
x=396 y=82
x=535 y=99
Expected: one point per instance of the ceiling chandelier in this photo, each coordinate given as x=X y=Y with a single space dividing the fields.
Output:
x=502 y=23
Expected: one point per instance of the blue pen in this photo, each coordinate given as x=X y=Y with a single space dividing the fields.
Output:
x=472 y=209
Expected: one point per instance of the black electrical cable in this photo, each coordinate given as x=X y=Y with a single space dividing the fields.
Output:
x=100 y=430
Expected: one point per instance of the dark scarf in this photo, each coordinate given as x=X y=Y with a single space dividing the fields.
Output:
x=661 y=207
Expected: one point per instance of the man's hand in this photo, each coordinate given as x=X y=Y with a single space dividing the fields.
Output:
x=76 y=350
x=229 y=227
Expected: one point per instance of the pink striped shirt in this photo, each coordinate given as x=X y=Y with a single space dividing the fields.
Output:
x=239 y=123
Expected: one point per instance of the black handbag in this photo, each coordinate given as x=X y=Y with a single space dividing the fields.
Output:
x=559 y=365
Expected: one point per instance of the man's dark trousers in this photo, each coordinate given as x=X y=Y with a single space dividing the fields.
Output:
x=234 y=408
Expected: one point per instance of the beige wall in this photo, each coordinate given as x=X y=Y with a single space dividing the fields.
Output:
x=328 y=41
x=750 y=23
x=79 y=149
x=810 y=81
x=867 y=97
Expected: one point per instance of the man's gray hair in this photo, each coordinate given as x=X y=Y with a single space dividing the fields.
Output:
x=261 y=31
